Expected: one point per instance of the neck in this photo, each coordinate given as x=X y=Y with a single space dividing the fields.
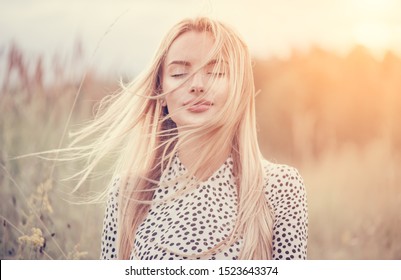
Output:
x=193 y=150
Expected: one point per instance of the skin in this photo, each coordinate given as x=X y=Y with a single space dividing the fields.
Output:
x=187 y=53
x=194 y=102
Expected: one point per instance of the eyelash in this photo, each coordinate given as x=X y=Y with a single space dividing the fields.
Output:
x=178 y=75
x=220 y=74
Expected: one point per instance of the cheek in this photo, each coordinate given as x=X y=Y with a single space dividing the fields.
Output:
x=173 y=100
x=169 y=87
x=170 y=84
x=222 y=92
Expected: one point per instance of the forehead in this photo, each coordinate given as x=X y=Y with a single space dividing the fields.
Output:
x=191 y=46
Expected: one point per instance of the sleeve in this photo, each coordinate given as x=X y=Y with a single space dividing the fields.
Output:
x=108 y=250
x=287 y=195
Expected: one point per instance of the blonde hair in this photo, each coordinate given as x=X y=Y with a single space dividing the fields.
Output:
x=134 y=125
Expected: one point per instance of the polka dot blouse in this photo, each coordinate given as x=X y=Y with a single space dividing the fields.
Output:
x=199 y=218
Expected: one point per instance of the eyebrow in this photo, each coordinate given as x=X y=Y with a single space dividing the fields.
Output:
x=179 y=62
x=187 y=63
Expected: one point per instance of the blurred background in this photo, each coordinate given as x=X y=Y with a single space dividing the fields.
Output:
x=329 y=75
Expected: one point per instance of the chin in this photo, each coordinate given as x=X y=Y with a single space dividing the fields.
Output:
x=192 y=122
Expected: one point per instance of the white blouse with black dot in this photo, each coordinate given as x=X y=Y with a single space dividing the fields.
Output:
x=196 y=220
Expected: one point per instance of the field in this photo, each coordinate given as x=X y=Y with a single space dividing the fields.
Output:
x=334 y=118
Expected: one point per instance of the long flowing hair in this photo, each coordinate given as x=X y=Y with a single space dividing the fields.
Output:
x=133 y=125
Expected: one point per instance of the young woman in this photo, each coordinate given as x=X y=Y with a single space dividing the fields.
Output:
x=189 y=180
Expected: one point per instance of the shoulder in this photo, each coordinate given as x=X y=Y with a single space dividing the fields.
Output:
x=110 y=223
x=113 y=187
x=285 y=192
x=282 y=182
x=281 y=175
x=111 y=194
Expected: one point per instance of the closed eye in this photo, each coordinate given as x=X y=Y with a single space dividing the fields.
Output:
x=216 y=74
x=215 y=69
x=178 y=75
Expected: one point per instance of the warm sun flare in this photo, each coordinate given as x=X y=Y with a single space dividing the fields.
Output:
x=373 y=23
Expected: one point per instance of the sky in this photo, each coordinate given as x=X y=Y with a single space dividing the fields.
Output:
x=120 y=36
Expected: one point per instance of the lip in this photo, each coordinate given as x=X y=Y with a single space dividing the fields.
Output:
x=200 y=106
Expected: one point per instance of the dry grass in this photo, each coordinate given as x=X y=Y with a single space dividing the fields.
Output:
x=35 y=202
x=354 y=200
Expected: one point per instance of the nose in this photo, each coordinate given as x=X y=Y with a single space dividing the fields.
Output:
x=197 y=83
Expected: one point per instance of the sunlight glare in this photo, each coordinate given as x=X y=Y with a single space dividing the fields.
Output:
x=372 y=23
x=373 y=35
x=373 y=7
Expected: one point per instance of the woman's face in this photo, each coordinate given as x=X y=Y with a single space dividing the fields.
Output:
x=186 y=54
